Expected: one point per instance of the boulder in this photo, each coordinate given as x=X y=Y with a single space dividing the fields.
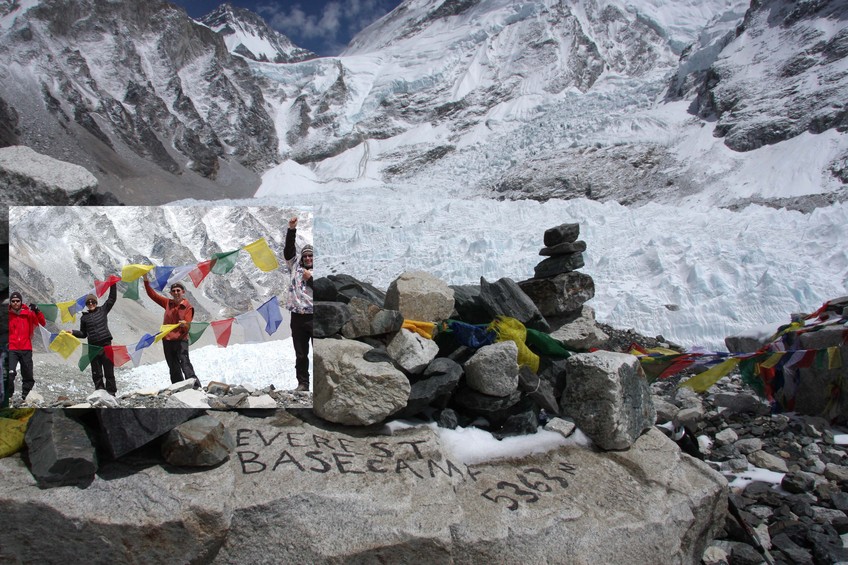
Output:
x=329 y=318
x=341 y=288
x=350 y=390
x=608 y=398
x=368 y=319
x=468 y=305
x=561 y=294
x=493 y=370
x=579 y=332
x=440 y=378
x=293 y=492
x=505 y=298
x=201 y=442
x=59 y=450
x=411 y=351
x=122 y=431
x=563 y=233
x=557 y=265
x=32 y=179
x=420 y=296
x=563 y=249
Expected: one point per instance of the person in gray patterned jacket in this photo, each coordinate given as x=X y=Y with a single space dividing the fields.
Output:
x=299 y=302
x=94 y=325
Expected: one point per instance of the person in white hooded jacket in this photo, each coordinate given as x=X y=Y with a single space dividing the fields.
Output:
x=299 y=302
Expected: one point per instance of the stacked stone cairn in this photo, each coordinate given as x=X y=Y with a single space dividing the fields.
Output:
x=368 y=368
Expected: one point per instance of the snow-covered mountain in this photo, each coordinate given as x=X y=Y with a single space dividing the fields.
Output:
x=56 y=253
x=149 y=101
x=248 y=35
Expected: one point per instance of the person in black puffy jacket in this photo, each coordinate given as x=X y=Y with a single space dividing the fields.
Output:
x=94 y=325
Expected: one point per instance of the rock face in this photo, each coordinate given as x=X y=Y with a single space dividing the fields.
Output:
x=60 y=451
x=297 y=493
x=420 y=296
x=608 y=397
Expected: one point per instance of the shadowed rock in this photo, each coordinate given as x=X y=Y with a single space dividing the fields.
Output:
x=60 y=451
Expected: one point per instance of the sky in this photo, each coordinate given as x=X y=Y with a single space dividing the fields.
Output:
x=322 y=26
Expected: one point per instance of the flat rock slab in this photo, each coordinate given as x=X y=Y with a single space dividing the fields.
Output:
x=294 y=492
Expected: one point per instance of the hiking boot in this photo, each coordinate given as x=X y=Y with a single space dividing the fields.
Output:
x=302 y=388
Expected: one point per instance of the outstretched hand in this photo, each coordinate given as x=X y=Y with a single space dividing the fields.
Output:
x=293 y=223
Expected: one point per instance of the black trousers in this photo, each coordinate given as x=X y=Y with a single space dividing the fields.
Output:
x=301 y=328
x=23 y=357
x=101 y=366
x=176 y=355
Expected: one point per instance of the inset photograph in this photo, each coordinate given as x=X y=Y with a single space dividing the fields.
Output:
x=159 y=307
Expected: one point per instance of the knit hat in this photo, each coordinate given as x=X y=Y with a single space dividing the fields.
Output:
x=307 y=247
x=17 y=295
x=91 y=297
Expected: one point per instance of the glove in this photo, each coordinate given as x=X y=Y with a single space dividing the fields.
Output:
x=34 y=308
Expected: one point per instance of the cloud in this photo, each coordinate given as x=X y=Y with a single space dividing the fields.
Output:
x=339 y=21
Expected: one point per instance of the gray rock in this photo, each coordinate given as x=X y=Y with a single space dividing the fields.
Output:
x=505 y=298
x=561 y=426
x=350 y=390
x=296 y=493
x=260 y=402
x=201 y=442
x=420 y=296
x=836 y=472
x=329 y=318
x=557 y=265
x=521 y=424
x=815 y=385
x=580 y=332
x=690 y=417
x=768 y=461
x=666 y=411
x=367 y=319
x=60 y=451
x=189 y=398
x=741 y=403
x=448 y=419
x=493 y=370
x=538 y=390
x=748 y=445
x=495 y=409
x=412 y=351
x=125 y=430
x=468 y=304
x=608 y=398
x=563 y=233
x=440 y=378
x=341 y=288
x=726 y=436
x=561 y=294
x=564 y=249
x=218 y=389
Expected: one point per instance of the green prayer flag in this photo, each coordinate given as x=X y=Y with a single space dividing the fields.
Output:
x=132 y=290
x=89 y=352
x=224 y=262
x=50 y=311
x=544 y=344
x=196 y=330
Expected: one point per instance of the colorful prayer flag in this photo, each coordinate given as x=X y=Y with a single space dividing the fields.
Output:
x=200 y=271
x=196 y=330
x=179 y=273
x=703 y=381
x=262 y=256
x=225 y=262
x=253 y=325
x=89 y=352
x=68 y=311
x=160 y=277
x=130 y=273
x=165 y=330
x=64 y=344
x=272 y=314
x=222 y=329
x=132 y=290
x=50 y=311
x=146 y=341
x=117 y=354
x=101 y=287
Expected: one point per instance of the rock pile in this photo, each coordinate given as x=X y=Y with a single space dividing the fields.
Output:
x=420 y=349
x=214 y=396
x=788 y=473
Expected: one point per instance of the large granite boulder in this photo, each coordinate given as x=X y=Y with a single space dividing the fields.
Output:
x=296 y=493
x=607 y=396
x=420 y=296
x=352 y=390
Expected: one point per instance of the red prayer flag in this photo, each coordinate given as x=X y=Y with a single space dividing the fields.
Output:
x=102 y=286
x=117 y=354
x=222 y=329
x=200 y=272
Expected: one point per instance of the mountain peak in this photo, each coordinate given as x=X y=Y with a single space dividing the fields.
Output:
x=248 y=35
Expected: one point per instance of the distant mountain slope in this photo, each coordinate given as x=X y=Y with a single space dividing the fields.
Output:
x=248 y=35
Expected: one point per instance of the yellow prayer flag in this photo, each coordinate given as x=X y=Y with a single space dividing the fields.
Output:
x=424 y=329
x=510 y=329
x=65 y=311
x=703 y=381
x=64 y=344
x=129 y=273
x=834 y=358
x=262 y=256
x=165 y=330
x=773 y=360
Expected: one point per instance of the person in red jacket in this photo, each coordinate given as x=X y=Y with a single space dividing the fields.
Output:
x=22 y=323
x=178 y=310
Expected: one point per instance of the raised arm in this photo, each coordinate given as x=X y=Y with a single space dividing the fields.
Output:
x=155 y=296
x=113 y=296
